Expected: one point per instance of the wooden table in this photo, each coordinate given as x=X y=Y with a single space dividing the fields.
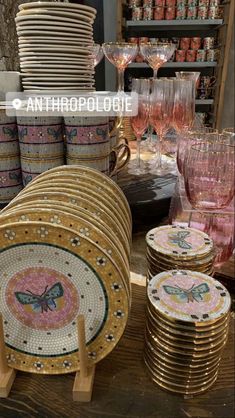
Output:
x=122 y=387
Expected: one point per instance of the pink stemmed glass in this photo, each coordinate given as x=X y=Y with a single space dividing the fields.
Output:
x=157 y=54
x=96 y=53
x=209 y=175
x=161 y=114
x=120 y=54
x=139 y=123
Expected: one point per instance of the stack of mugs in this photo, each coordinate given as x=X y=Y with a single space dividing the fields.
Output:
x=41 y=145
x=89 y=144
x=177 y=247
x=10 y=170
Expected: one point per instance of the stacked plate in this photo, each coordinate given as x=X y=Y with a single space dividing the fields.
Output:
x=65 y=249
x=186 y=330
x=170 y=247
x=54 y=40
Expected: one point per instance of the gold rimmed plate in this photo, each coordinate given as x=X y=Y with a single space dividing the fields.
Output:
x=49 y=275
x=74 y=200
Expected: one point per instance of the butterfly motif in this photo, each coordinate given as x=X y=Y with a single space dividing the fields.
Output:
x=54 y=133
x=179 y=239
x=102 y=132
x=27 y=179
x=11 y=132
x=71 y=134
x=15 y=176
x=22 y=133
x=45 y=301
x=188 y=295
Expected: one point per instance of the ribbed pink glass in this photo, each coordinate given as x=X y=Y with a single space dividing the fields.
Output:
x=209 y=175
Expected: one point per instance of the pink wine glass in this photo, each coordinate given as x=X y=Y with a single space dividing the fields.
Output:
x=161 y=114
x=139 y=123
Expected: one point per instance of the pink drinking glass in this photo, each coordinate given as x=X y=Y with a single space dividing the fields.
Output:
x=190 y=138
x=209 y=175
x=139 y=123
x=161 y=114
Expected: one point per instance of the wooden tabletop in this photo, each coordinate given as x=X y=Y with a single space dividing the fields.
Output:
x=122 y=387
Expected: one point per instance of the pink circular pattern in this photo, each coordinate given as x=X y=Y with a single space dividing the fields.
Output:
x=36 y=281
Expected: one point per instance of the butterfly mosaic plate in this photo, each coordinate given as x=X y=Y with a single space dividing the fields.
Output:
x=182 y=242
x=190 y=297
x=89 y=173
x=50 y=275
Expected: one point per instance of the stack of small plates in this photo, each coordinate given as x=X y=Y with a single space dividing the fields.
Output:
x=186 y=330
x=65 y=250
x=170 y=247
x=54 y=40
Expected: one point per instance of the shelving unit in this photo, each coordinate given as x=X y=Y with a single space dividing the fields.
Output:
x=177 y=65
x=220 y=28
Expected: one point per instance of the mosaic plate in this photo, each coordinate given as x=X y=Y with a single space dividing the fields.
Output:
x=78 y=212
x=180 y=242
x=180 y=370
x=78 y=225
x=83 y=189
x=49 y=276
x=89 y=172
x=190 y=297
x=74 y=200
x=80 y=179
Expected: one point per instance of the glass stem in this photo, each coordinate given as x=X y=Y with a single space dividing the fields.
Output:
x=160 y=151
x=155 y=73
x=138 y=151
x=121 y=80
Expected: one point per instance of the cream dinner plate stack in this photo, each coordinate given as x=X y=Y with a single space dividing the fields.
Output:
x=54 y=40
x=65 y=251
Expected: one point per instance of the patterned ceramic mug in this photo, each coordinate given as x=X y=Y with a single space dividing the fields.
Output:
x=9 y=144
x=31 y=168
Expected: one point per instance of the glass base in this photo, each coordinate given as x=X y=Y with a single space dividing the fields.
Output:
x=137 y=167
x=168 y=165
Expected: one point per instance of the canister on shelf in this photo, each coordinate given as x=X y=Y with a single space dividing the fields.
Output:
x=181 y=12
x=137 y=13
x=133 y=40
x=148 y=13
x=192 y=3
x=185 y=43
x=159 y=13
x=203 y=3
x=195 y=43
x=201 y=55
x=147 y=3
x=134 y=3
x=192 y=13
x=191 y=55
x=202 y=12
x=170 y=3
x=180 y=55
x=170 y=13
x=212 y=55
x=143 y=40
x=213 y=12
x=181 y=2
x=208 y=43
x=176 y=41
x=159 y=3
x=215 y=2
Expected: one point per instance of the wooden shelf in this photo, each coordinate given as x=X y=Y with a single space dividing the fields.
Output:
x=174 y=24
x=176 y=65
x=204 y=102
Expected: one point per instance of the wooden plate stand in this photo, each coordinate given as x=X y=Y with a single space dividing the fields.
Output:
x=84 y=379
